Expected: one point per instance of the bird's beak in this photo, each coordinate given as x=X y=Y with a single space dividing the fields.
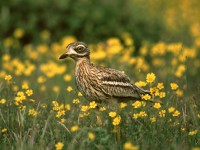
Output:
x=65 y=55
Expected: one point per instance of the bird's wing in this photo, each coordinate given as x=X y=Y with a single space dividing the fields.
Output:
x=116 y=84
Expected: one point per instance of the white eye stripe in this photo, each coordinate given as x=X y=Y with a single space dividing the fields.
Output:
x=117 y=83
x=82 y=46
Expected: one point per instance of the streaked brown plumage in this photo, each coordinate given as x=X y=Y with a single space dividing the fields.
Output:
x=100 y=83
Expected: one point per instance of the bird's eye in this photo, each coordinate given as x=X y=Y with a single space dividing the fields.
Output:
x=79 y=49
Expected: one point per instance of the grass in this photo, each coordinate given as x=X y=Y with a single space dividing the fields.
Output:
x=40 y=107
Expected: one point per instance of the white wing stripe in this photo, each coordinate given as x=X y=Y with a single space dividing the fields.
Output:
x=117 y=83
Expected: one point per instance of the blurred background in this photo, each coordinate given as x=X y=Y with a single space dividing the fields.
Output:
x=94 y=21
x=139 y=36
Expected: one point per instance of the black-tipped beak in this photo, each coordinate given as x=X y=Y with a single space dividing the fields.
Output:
x=63 y=56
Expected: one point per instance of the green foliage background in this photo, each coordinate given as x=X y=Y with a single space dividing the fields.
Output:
x=92 y=21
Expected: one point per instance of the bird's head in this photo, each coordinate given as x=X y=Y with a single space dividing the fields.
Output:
x=76 y=51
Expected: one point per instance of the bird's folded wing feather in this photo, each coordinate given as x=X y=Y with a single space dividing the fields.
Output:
x=117 y=84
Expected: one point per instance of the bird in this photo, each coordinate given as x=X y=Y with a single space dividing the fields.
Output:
x=98 y=83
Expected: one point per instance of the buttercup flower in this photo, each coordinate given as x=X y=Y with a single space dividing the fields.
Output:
x=8 y=77
x=130 y=146
x=157 y=105
x=93 y=104
x=59 y=146
x=69 y=89
x=2 y=101
x=91 y=136
x=29 y=92
x=150 y=77
x=174 y=86
x=74 y=128
x=116 y=121
x=112 y=114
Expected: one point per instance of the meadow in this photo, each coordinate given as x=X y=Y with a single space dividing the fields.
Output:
x=156 y=43
x=40 y=107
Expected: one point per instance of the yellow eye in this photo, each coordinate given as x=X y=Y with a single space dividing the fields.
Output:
x=79 y=49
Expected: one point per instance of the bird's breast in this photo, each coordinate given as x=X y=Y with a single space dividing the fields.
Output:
x=88 y=83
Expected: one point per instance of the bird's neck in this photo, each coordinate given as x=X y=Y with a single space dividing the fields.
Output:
x=82 y=64
x=83 y=60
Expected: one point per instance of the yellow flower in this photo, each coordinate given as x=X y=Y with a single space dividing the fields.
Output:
x=162 y=113
x=140 y=83
x=56 y=89
x=102 y=108
x=4 y=130
x=41 y=79
x=43 y=105
x=122 y=105
x=194 y=132
x=112 y=114
x=42 y=48
x=153 y=119
x=67 y=106
x=138 y=104
x=62 y=120
x=67 y=77
x=60 y=112
x=114 y=46
x=8 y=77
x=198 y=115
x=15 y=88
x=154 y=91
x=55 y=103
x=18 y=33
x=91 y=136
x=67 y=40
x=130 y=146
x=182 y=129
x=32 y=112
x=29 y=92
x=25 y=86
x=80 y=94
x=59 y=146
x=180 y=70
x=93 y=104
x=179 y=93
x=69 y=89
x=162 y=94
x=32 y=100
x=85 y=108
x=51 y=68
x=75 y=101
x=150 y=77
x=74 y=128
x=6 y=57
x=135 y=116
x=43 y=88
x=157 y=105
x=171 y=109
x=2 y=101
x=195 y=148
x=146 y=97
x=142 y=114
x=176 y=113
x=99 y=53
x=19 y=98
x=160 y=86
x=22 y=107
x=116 y=121
x=174 y=86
